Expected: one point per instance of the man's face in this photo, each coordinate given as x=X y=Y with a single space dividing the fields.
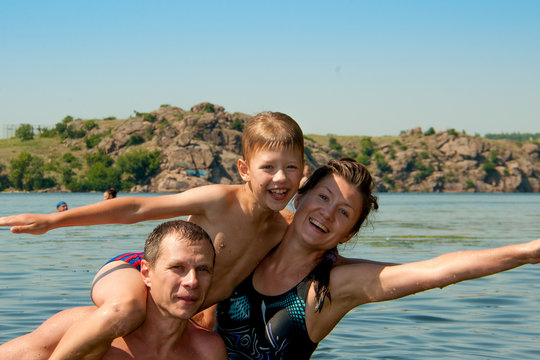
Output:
x=181 y=276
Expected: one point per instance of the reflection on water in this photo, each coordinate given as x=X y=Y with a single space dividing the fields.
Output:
x=490 y=318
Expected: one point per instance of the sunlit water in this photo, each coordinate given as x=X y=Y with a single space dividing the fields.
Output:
x=491 y=318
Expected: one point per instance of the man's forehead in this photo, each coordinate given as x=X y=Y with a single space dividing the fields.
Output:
x=175 y=246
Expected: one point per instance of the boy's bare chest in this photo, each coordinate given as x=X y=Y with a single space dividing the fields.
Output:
x=239 y=249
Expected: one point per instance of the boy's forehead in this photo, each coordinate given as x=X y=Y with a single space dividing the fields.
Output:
x=275 y=149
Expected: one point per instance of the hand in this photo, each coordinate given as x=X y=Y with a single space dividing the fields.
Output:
x=34 y=224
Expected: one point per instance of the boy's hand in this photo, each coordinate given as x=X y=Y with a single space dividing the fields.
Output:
x=34 y=224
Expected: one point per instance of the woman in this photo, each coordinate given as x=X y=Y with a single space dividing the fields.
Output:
x=303 y=288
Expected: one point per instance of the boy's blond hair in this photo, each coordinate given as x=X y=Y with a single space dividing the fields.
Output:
x=271 y=131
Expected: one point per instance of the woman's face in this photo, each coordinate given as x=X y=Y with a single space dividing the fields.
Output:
x=326 y=214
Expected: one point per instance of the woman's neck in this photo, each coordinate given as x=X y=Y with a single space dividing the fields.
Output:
x=286 y=265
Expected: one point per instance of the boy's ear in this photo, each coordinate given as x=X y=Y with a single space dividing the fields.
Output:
x=243 y=169
x=145 y=272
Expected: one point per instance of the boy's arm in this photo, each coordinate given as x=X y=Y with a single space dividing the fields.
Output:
x=125 y=210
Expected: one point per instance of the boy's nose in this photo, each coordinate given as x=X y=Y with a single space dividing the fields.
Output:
x=279 y=176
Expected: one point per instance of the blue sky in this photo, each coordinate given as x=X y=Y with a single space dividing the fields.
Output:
x=337 y=67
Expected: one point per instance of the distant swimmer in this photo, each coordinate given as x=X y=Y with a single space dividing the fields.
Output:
x=61 y=206
x=109 y=194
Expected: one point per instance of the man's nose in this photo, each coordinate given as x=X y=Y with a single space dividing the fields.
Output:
x=191 y=279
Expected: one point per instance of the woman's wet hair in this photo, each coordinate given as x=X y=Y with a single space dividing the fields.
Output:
x=358 y=176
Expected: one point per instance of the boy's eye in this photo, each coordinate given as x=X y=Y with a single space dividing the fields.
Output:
x=323 y=197
x=343 y=212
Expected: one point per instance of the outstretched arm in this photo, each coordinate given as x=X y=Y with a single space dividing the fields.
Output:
x=125 y=210
x=364 y=283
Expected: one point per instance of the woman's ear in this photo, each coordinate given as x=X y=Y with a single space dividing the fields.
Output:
x=347 y=238
x=297 y=198
x=243 y=169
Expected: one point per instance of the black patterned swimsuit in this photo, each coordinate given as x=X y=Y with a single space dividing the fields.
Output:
x=256 y=326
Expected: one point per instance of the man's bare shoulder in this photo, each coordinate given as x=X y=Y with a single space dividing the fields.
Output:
x=207 y=344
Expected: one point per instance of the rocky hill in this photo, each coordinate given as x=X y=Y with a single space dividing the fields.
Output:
x=201 y=146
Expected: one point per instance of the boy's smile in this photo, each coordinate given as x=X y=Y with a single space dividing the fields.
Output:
x=273 y=176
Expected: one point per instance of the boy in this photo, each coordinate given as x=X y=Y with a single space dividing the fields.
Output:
x=245 y=222
x=167 y=331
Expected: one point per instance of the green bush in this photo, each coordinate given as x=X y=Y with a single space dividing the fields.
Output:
x=67 y=119
x=381 y=163
x=469 y=184
x=25 y=132
x=208 y=108
x=367 y=146
x=389 y=181
x=135 y=139
x=71 y=132
x=26 y=173
x=138 y=166
x=4 y=180
x=333 y=144
x=99 y=157
x=452 y=132
x=363 y=159
x=423 y=171
x=237 y=125
x=146 y=116
x=90 y=124
x=72 y=160
x=47 y=133
x=100 y=177
x=93 y=140
x=430 y=131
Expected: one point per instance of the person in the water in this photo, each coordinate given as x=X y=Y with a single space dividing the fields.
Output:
x=303 y=288
x=245 y=222
x=177 y=269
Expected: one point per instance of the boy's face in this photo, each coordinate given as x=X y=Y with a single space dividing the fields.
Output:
x=273 y=176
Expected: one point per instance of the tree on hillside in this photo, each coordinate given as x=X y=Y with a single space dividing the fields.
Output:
x=26 y=173
x=138 y=166
x=25 y=132
x=4 y=181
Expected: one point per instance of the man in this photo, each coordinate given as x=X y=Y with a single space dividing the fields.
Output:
x=177 y=270
x=61 y=206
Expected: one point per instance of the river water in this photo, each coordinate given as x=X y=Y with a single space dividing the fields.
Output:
x=492 y=318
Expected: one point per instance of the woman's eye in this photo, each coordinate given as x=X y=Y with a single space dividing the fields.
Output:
x=324 y=197
x=343 y=212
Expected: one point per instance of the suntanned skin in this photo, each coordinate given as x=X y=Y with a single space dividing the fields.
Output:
x=245 y=222
x=178 y=283
x=319 y=224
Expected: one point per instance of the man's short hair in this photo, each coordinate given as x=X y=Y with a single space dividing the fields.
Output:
x=184 y=229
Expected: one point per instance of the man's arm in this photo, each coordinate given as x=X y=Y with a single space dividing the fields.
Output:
x=40 y=343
